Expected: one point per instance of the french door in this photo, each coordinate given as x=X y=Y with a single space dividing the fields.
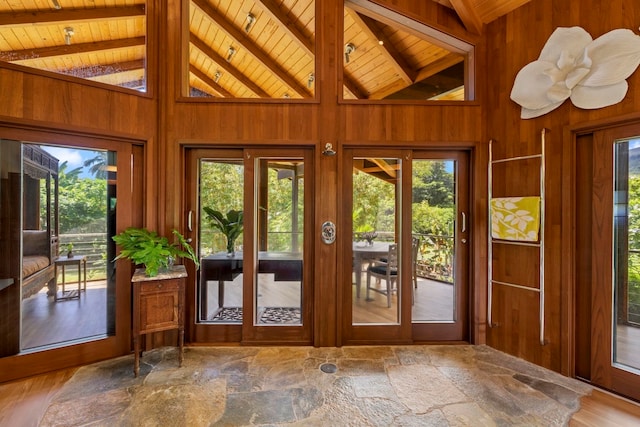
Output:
x=249 y=216
x=608 y=259
x=405 y=249
x=60 y=193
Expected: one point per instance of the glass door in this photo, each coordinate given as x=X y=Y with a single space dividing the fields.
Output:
x=440 y=233
x=608 y=254
x=63 y=296
x=406 y=244
x=251 y=219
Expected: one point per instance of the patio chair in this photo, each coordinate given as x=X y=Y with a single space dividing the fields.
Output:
x=386 y=270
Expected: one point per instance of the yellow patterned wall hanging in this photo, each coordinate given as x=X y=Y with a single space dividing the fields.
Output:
x=515 y=218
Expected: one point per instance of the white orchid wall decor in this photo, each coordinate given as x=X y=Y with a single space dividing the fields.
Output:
x=572 y=65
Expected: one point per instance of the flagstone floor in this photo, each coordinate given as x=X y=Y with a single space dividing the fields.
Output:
x=303 y=386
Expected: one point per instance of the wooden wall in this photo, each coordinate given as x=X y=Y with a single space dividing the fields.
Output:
x=314 y=123
x=512 y=42
x=166 y=123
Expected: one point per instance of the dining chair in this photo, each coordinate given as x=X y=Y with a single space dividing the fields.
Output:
x=387 y=270
x=415 y=248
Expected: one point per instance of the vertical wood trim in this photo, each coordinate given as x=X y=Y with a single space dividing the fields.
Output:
x=329 y=17
x=579 y=313
x=479 y=239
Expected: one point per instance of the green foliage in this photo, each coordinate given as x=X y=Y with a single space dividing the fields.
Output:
x=432 y=183
x=97 y=164
x=373 y=203
x=144 y=247
x=221 y=188
x=82 y=202
x=230 y=225
x=432 y=219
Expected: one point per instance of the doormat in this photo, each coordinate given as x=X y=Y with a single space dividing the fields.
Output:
x=268 y=315
x=228 y=314
x=280 y=315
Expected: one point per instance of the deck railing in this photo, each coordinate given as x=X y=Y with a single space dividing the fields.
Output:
x=435 y=256
x=91 y=245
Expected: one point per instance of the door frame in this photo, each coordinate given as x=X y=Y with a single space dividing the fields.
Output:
x=406 y=332
x=130 y=165
x=247 y=333
x=591 y=345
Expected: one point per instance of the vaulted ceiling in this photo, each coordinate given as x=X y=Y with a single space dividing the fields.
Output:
x=242 y=48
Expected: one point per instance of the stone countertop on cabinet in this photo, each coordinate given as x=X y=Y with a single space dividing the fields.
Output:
x=176 y=272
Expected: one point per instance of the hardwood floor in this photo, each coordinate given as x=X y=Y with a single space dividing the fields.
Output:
x=603 y=409
x=22 y=403
x=47 y=322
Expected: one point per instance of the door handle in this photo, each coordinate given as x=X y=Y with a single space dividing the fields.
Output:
x=190 y=221
x=463 y=226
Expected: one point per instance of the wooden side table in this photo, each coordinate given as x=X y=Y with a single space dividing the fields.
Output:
x=80 y=261
x=158 y=305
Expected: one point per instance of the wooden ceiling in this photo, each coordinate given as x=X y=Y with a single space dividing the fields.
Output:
x=241 y=48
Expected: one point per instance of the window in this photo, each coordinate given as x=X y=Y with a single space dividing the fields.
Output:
x=247 y=49
x=105 y=43
x=386 y=57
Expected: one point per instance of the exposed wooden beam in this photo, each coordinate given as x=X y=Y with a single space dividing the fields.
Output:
x=44 y=52
x=291 y=28
x=468 y=15
x=436 y=66
x=390 y=89
x=222 y=63
x=103 y=69
x=376 y=171
x=287 y=25
x=135 y=84
x=430 y=31
x=15 y=19
x=241 y=39
x=215 y=87
x=386 y=167
x=353 y=87
x=388 y=50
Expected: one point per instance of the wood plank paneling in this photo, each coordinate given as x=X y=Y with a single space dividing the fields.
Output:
x=53 y=102
x=511 y=45
x=397 y=124
x=515 y=264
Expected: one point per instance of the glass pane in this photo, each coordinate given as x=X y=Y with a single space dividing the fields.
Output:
x=67 y=293
x=82 y=39
x=432 y=224
x=626 y=251
x=388 y=60
x=279 y=241
x=221 y=195
x=10 y=192
x=376 y=248
x=247 y=49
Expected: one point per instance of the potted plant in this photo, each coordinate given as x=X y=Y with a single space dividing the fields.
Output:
x=144 y=247
x=69 y=250
x=230 y=225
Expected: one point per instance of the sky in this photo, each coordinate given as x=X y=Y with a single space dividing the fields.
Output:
x=74 y=157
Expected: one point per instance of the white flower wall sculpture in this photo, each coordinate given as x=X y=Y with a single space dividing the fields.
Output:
x=572 y=65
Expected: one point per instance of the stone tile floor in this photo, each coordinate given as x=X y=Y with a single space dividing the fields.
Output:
x=372 y=386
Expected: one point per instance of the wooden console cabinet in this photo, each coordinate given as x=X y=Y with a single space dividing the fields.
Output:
x=158 y=305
